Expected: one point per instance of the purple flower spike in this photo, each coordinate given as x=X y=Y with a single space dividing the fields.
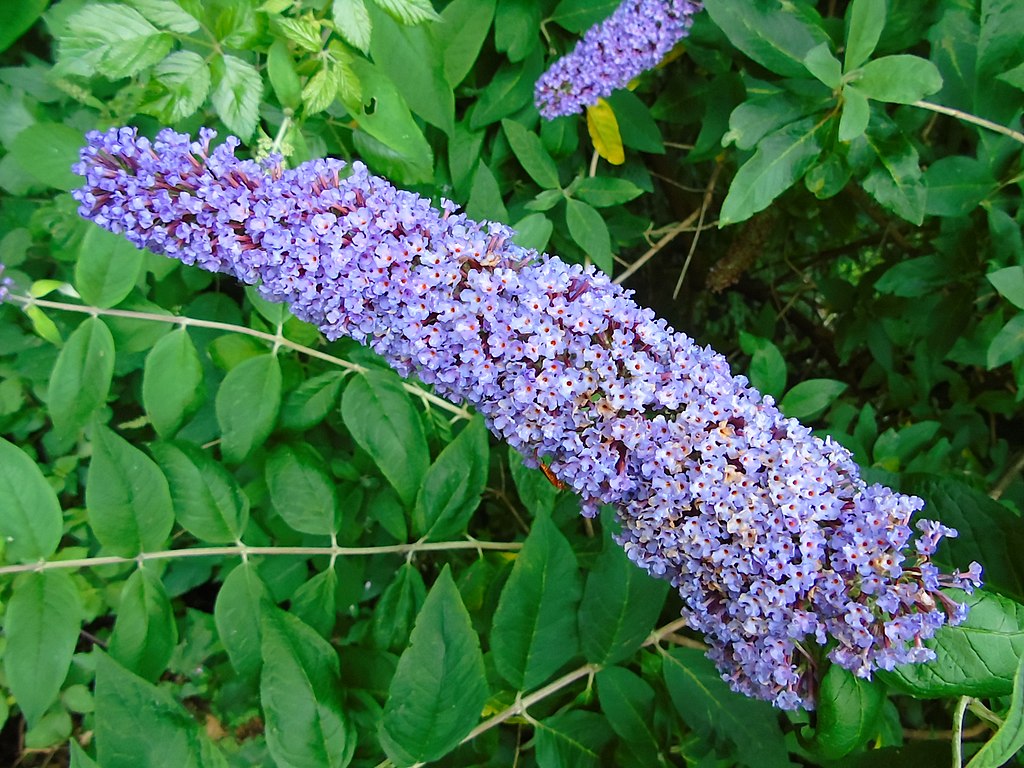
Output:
x=776 y=545
x=634 y=39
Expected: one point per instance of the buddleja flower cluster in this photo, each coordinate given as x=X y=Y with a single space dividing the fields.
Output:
x=634 y=39
x=773 y=541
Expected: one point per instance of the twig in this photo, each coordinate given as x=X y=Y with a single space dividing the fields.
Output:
x=967 y=117
x=270 y=338
x=669 y=236
x=1008 y=477
x=709 y=193
x=958 y=731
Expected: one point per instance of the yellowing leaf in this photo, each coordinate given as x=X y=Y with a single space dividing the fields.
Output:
x=604 y=132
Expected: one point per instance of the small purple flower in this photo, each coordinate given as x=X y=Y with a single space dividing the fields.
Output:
x=5 y=285
x=634 y=39
x=776 y=545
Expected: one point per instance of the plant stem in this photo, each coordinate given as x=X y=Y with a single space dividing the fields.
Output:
x=270 y=338
x=958 y=729
x=967 y=117
x=242 y=550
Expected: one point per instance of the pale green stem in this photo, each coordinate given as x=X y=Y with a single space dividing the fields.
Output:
x=243 y=551
x=958 y=730
x=967 y=117
x=270 y=338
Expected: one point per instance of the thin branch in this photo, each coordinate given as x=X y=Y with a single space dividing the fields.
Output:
x=958 y=730
x=242 y=550
x=271 y=338
x=1008 y=477
x=926 y=734
x=967 y=117
x=709 y=193
x=668 y=237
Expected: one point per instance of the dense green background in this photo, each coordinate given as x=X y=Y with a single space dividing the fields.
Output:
x=807 y=186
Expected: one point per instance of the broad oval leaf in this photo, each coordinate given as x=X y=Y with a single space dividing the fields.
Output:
x=139 y=725
x=172 y=382
x=535 y=629
x=385 y=424
x=113 y=39
x=185 y=76
x=248 y=401
x=977 y=658
x=127 y=497
x=440 y=687
x=898 y=79
x=207 y=499
x=315 y=602
x=31 y=521
x=300 y=694
x=301 y=490
x=396 y=613
x=41 y=627
x=311 y=402
x=145 y=632
x=605 y=191
x=809 y=399
x=453 y=485
x=81 y=378
x=573 y=738
x=848 y=710
x=107 y=267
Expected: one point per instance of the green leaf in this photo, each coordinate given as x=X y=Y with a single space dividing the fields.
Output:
x=439 y=687
x=79 y=758
x=31 y=521
x=172 y=382
x=956 y=185
x=767 y=365
x=283 y=77
x=896 y=182
x=167 y=14
x=352 y=21
x=247 y=404
x=535 y=491
x=516 y=28
x=47 y=151
x=635 y=123
x=300 y=691
x=320 y=90
x=823 y=65
x=1009 y=282
x=185 y=77
x=706 y=704
x=315 y=602
x=809 y=399
x=976 y=658
x=605 y=191
x=533 y=231
x=41 y=626
x=781 y=159
x=848 y=710
x=81 y=378
x=127 y=496
x=1008 y=344
x=901 y=79
x=301 y=490
x=396 y=612
x=535 y=629
x=385 y=424
x=111 y=39
x=18 y=18
x=590 y=233
x=532 y=155
x=462 y=32
x=509 y=90
x=207 y=500
x=145 y=633
x=311 y=402
x=573 y=738
x=409 y=158
x=856 y=114
x=1014 y=77
x=1009 y=739
x=303 y=31
x=139 y=725
x=578 y=15
x=627 y=700
x=409 y=11
x=413 y=60
x=914 y=277
x=865 y=20
x=453 y=485
x=485 y=196
x=237 y=92
x=619 y=609
x=237 y=612
x=775 y=34
x=761 y=115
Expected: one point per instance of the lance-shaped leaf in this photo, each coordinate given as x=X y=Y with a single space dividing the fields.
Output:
x=535 y=630
x=31 y=521
x=573 y=738
x=41 y=627
x=300 y=691
x=81 y=378
x=453 y=485
x=532 y=155
x=144 y=633
x=440 y=687
x=237 y=613
x=127 y=496
x=301 y=490
x=628 y=702
x=248 y=401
